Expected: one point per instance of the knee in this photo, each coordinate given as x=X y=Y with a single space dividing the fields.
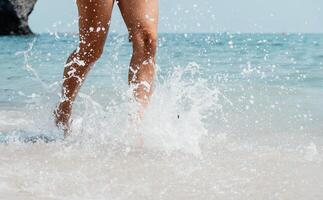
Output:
x=144 y=41
x=90 y=48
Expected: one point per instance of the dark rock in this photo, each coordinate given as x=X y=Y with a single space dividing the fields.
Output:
x=14 y=16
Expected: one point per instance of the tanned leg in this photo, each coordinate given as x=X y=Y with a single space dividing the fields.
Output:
x=141 y=18
x=94 y=20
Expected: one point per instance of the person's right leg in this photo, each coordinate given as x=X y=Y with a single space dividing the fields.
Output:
x=94 y=20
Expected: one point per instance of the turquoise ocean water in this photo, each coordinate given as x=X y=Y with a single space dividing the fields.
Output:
x=230 y=113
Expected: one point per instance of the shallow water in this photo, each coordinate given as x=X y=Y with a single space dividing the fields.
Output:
x=233 y=116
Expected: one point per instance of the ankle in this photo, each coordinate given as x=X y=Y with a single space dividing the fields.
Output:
x=64 y=108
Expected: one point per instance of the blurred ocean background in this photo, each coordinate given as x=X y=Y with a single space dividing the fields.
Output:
x=233 y=116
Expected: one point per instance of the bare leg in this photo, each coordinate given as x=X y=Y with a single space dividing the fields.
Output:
x=94 y=20
x=141 y=18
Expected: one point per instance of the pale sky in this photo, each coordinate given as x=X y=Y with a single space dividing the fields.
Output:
x=199 y=16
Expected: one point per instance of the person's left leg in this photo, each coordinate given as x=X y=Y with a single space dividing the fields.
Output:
x=141 y=18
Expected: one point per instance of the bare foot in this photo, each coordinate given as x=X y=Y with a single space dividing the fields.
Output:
x=62 y=116
x=139 y=142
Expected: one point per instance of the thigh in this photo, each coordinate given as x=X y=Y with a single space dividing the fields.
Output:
x=94 y=21
x=140 y=15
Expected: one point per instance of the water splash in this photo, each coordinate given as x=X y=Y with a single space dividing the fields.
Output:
x=211 y=131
